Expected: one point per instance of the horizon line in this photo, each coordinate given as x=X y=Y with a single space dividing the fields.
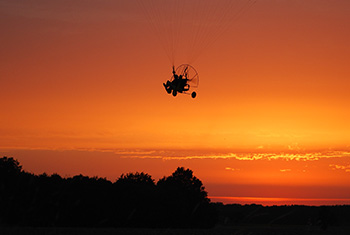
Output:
x=279 y=201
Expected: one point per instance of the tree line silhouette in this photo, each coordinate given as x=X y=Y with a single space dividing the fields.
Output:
x=133 y=200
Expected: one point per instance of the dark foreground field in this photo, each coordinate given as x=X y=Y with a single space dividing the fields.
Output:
x=220 y=230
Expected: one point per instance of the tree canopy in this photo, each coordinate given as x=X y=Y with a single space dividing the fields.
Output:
x=133 y=200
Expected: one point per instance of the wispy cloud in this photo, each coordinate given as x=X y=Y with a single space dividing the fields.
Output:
x=183 y=157
x=285 y=170
x=232 y=169
x=346 y=168
x=166 y=155
x=171 y=155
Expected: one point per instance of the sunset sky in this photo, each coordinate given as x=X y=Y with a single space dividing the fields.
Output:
x=81 y=93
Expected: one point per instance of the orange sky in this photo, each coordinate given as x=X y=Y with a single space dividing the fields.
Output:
x=81 y=92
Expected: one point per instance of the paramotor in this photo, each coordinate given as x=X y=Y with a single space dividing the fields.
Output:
x=185 y=80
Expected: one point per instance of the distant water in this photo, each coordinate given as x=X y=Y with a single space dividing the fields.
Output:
x=265 y=201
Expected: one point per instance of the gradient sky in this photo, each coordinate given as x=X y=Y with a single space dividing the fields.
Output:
x=81 y=92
